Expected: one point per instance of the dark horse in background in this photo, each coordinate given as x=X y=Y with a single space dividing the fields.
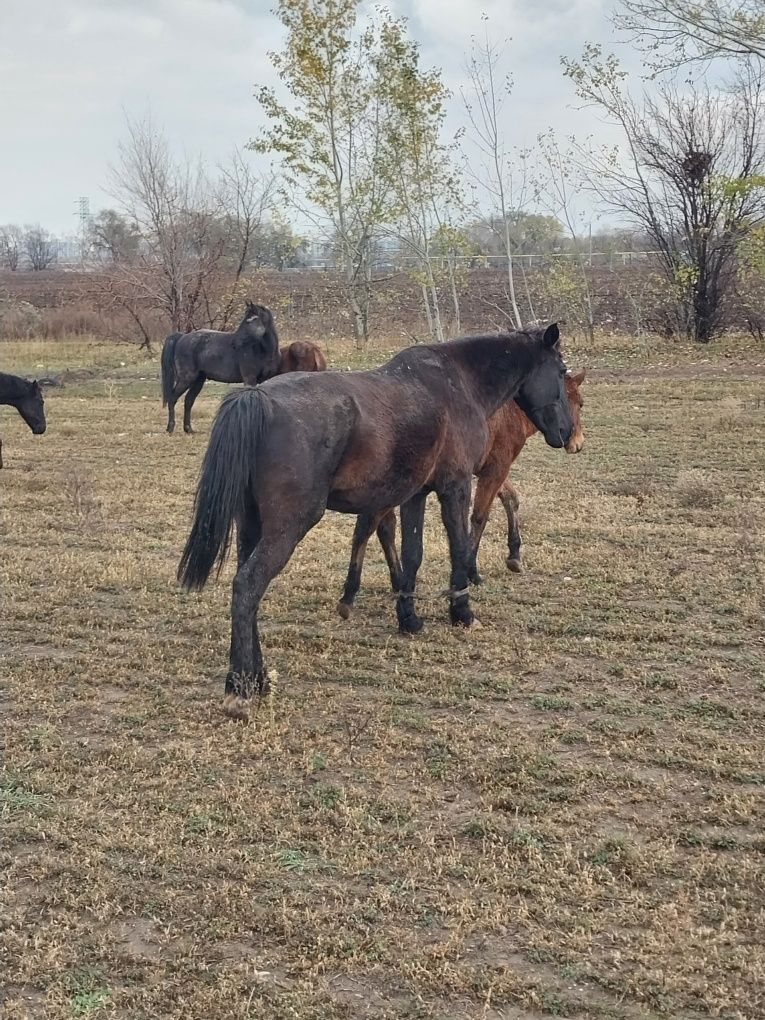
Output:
x=250 y=355
x=282 y=454
x=508 y=429
x=27 y=398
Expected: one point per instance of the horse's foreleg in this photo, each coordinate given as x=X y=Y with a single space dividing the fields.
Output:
x=188 y=403
x=489 y=483
x=1 y=453
x=412 y=521
x=272 y=544
x=386 y=533
x=455 y=503
x=509 y=497
x=365 y=526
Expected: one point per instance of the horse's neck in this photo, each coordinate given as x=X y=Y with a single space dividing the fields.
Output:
x=245 y=332
x=13 y=389
x=494 y=366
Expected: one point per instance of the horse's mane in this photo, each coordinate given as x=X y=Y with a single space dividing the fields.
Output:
x=12 y=386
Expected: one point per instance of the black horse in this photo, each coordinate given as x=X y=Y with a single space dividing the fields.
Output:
x=360 y=442
x=27 y=398
x=250 y=354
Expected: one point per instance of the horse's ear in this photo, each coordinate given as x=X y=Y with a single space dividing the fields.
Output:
x=579 y=377
x=552 y=335
x=36 y=386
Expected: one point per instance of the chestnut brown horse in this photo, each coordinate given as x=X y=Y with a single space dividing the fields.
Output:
x=27 y=398
x=302 y=356
x=508 y=429
x=283 y=453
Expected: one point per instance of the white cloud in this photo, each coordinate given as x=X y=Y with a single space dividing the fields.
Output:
x=69 y=69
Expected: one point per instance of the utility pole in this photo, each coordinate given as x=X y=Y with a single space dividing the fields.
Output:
x=83 y=213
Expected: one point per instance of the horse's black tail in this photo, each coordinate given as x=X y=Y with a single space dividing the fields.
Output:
x=168 y=367
x=224 y=483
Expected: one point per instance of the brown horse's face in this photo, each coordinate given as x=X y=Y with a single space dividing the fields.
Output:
x=573 y=382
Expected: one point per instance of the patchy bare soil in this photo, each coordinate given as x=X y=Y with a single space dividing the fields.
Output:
x=558 y=815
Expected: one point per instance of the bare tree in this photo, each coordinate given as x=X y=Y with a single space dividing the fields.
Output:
x=422 y=178
x=558 y=187
x=501 y=180
x=690 y=175
x=39 y=247
x=196 y=233
x=171 y=204
x=675 y=32
x=11 y=245
x=112 y=237
x=244 y=200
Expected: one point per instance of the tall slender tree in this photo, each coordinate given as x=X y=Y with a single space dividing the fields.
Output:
x=329 y=137
x=423 y=178
x=501 y=177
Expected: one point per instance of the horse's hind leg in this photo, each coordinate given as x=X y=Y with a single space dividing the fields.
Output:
x=365 y=526
x=272 y=542
x=188 y=403
x=386 y=532
x=455 y=503
x=1 y=453
x=412 y=521
x=508 y=495
x=178 y=390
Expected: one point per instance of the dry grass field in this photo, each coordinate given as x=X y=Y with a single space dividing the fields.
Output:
x=560 y=814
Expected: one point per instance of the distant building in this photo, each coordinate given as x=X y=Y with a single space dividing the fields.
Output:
x=68 y=250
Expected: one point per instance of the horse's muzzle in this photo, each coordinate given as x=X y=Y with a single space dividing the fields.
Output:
x=38 y=430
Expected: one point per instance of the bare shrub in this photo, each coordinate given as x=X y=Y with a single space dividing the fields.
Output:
x=70 y=320
x=695 y=489
x=85 y=504
x=19 y=320
x=641 y=485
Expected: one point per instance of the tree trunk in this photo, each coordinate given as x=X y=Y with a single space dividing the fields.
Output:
x=510 y=274
x=455 y=298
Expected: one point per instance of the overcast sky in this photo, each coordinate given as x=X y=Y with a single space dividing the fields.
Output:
x=69 y=69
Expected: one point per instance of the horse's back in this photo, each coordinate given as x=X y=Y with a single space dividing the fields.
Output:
x=372 y=438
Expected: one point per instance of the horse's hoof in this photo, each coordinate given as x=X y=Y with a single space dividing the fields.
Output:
x=411 y=624
x=461 y=616
x=344 y=609
x=236 y=707
x=189 y=432
x=474 y=577
x=514 y=564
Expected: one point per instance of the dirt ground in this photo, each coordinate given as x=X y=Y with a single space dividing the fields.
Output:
x=560 y=814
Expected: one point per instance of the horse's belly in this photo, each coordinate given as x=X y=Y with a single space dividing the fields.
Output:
x=377 y=473
x=369 y=499
x=220 y=374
